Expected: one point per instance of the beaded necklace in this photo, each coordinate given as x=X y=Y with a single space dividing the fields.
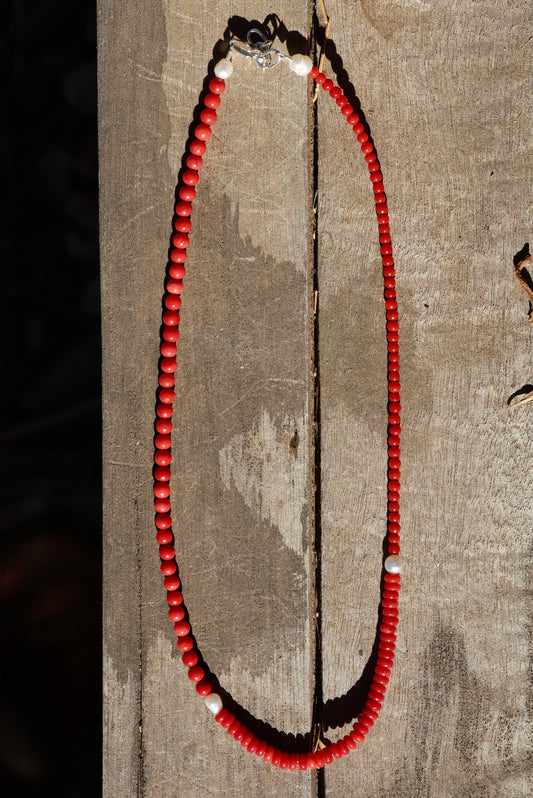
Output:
x=261 y=50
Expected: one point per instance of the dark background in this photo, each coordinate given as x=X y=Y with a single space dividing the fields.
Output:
x=50 y=509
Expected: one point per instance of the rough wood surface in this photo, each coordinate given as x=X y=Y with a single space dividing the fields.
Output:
x=444 y=88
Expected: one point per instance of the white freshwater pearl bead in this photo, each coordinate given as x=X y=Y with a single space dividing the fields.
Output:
x=301 y=64
x=393 y=564
x=223 y=68
x=213 y=702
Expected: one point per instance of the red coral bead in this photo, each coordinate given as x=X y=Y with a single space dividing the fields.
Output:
x=261 y=748
x=227 y=720
x=190 y=177
x=202 y=132
x=164 y=536
x=174 y=598
x=175 y=287
x=208 y=117
x=204 y=688
x=246 y=737
x=194 y=162
x=162 y=505
x=183 y=209
x=178 y=255
x=168 y=364
x=234 y=727
x=167 y=395
x=196 y=674
x=284 y=760
x=171 y=582
x=170 y=334
x=172 y=302
x=216 y=86
x=199 y=147
x=187 y=193
x=185 y=643
x=211 y=101
x=177 y=271
x=182 y=628
x=335 y=750
x=189 y=659
x=183 y=224
x=311 y=764
x=168 y=350
x=163 y=521
x=181 y=240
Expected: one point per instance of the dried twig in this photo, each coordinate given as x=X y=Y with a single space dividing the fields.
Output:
x=527 y=398
x=323 y=48
x=524 y=278
x=525 y=282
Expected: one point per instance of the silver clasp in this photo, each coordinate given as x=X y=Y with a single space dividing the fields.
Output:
x=258 y=47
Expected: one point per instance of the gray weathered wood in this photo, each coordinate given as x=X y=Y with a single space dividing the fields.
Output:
x=444 y=89
x=240 y=441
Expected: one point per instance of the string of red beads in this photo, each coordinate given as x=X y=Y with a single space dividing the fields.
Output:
x=163 y=457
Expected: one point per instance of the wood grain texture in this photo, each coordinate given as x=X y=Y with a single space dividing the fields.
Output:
x=443 y=86
x=444 y=89
x=240 y=440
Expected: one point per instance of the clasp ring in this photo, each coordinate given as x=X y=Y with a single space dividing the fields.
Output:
x=258 y=47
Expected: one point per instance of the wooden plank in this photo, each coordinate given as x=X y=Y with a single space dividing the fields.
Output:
x=444 y=88
x=241 y=441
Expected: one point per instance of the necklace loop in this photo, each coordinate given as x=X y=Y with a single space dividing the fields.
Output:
x=322 y=752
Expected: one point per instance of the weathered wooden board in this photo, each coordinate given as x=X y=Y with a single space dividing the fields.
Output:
x=443 y=86
x=241 y=440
